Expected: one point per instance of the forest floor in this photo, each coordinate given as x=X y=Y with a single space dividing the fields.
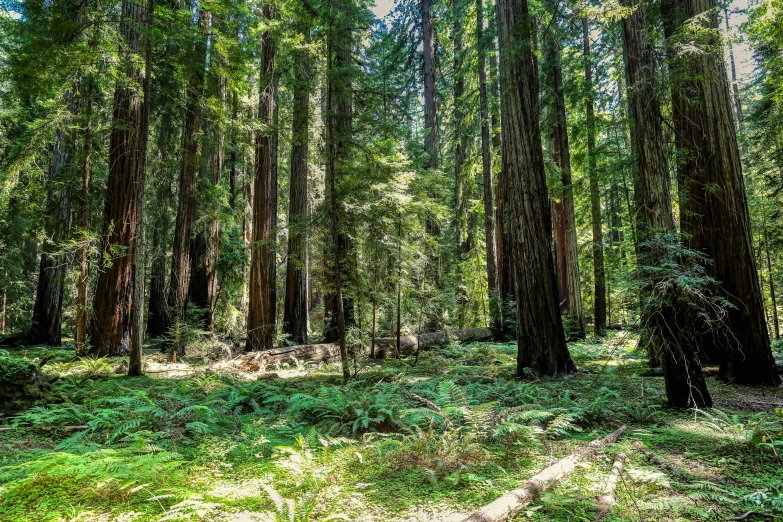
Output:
x=402 y=442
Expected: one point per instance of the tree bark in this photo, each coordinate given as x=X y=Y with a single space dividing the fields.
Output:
x=566 y=248
x=48 y=308
x=541 y=344
x=734 y=82
x=205 y=247
x=179 y=281
x=505 y=264
x=260 y=318
x=295 y=306
x=495 y=320
x=112 y=303
x=138 y=270
x=339 y=111
x=460 y=144
x=430 y=107
x=342 y=135
x=714 y=209
x=81 y=287
x=667 y=321
x=599 y=308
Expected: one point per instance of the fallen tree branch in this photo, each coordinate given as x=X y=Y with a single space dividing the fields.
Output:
x=656 y=459
x=749 y=514
x=512 y=502
x=608 y=499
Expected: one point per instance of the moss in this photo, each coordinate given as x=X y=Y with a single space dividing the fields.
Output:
x=22 y=384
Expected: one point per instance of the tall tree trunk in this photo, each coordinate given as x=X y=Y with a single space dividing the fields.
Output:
x=81 y=287
x=460 y=144
x=232 y=159
x=566 y=248
x=260 y=321
x=714 y=208
x=772 y=295
x=667 y=321
x=202 y=290
x=430 y=108
x=505 y=264
x=734 y=82
x=339 y=111
x=295 y=306
x=112 y=304
x=495 y=320
x=48 y=308
x=179 y=280
x=138 y=270
x=541 y=343
x=157 y=310
x=342 y=113
x=599 y=278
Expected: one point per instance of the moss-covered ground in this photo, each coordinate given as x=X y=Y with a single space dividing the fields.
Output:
x=401 y=442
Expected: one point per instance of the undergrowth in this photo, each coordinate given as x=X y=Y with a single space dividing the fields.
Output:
x=452 y=432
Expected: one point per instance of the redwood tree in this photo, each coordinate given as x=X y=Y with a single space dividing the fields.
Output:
x=486 y=170
x=668 y=320
x=111 y=308
x=599 y=276
x=541 y=345
x=181 y=252
x=713 y=205
x=295 y=306
x=48 y=309
x=260 y=318
x=566 y=248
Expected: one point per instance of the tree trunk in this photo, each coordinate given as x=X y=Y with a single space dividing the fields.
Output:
x=714 y=208
x=81 y=287
x=541 y=344
x=771 y=283
x=205 y=247
x=734 y=83
x=505 y=264
x=495 y=320
x=667 y=321
x=260 y=320
x=112 y=303
x=460 y=144
x=295 y=306
x=138 y=270
x=179 y=281
x=566 y=248
x=599 y=310
x=342 y=114
x=430 y=108
x=339 y=111
x=48 y=308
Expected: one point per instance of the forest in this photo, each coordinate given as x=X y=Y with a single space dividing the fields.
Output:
x=425 y=260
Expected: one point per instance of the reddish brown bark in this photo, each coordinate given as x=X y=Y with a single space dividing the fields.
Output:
x=668 y=321
x=541 y=343
x=181 y=252
x=111 y=319
x=260 y=318
x=714 y=208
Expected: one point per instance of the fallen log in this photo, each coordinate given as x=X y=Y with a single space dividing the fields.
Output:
x=656 y=459
x=384 y=348
x=608 y=499
x=45 y=428
x=511 y=503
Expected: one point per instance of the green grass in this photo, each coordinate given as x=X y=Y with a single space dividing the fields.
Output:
x=401 y=442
